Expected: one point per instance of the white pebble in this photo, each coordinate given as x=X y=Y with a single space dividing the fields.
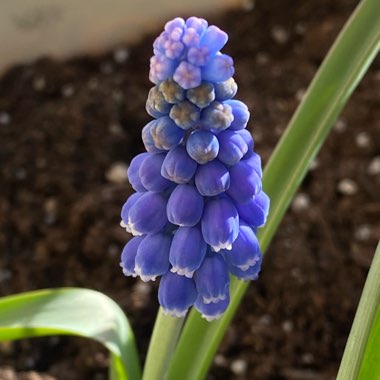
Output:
x=248 y=5
x=308 y=358
x=363 y=232
x=374 y=166
x=314 y=164
x=300 y=94
x=220 y=360
x=262 y=58
x=347 y=186
x=39 y=83
x=142 y=288
x=300 y=28
x=340 y=126
x=362 y=140
x=239 y=366
x=301 y=202
x=4 y=118
x=5 y=275
x=287 y=326
x=280 y=34
x=106 y=68
x=68 y=90
x=117 y=173
x=121 y=55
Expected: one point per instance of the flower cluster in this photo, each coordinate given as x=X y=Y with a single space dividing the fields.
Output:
x=199 y=198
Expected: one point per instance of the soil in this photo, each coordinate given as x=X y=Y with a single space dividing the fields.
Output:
x=67 y=132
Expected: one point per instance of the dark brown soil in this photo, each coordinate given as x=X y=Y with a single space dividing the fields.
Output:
x=63 y=126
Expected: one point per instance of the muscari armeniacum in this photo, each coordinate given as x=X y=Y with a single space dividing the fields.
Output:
x=199 y=197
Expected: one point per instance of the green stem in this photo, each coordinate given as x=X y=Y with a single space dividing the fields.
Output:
x=162 y=344
x=341 y=71
x=364 y=322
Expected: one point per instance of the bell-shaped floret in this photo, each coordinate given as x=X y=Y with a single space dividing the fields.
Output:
x=220 y=223
x=185 y=206
x=172 y=92
x=212 y=311
x=212 y=280
x=185 y=114
x=127 y=206
x=178 y=166
x=147 y=138
x=156 y=105
x=199 y=24
x=133 y=172
x=225 y=90
x=252 y=273
x=255 y=211
x=187 y=251
x=187 y=75
x=254 y=160
x=128 y=256
x=202 y=95
x=218 y=69
x=148 y=214
x=212 y=178
x=241 y=114
x=152 y=258
x=245 y=182
x=247 y=137
x=202 y=146
x=245 y=250
x=217 y=116
x=161 y=68
x=176 y=294
x=232 y=147
x=214 y=38
x=166 y=135
x=150 y=173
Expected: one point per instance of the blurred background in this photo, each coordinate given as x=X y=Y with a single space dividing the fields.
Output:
x=73 y=86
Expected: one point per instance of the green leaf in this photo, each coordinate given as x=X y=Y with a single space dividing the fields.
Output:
x=361 y=358
x=73 y=311
x=340 y=73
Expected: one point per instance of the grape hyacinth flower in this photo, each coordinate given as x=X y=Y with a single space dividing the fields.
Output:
x=199 y=197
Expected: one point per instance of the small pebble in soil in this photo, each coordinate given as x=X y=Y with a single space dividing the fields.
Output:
x=301 y=202
x=67 y=90
x=300 y=94
x=121 y=55
x=93 y=83
x=363 y=140
x=300 y=28
x=340 y=126
x=307 y=358
x=4 y=118
x=265 y=320
x=220 y=360
x=280 y=34
x=239 y=366
x=106 y=68
x=113 y=250
x=374 y=166
x=262 y=58
x=248 y=5
x=21 y=174
x=314 y=164
x=347 y=186
x=287 y=326
x=363 y=232
x=116 y=129
x=39 y=83
x=117 y=173
x=5 y=274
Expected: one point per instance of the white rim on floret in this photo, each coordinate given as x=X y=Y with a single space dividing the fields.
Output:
x=182 y=272
x=144 y=277
x=208 y=300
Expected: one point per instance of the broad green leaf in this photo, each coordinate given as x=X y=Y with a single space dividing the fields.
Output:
x=73 y=311
x=340 y=73
x=361 y=358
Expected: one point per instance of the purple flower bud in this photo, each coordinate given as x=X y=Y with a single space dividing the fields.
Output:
x=148 y=214
x=148 y=138
x=212 y=178
x=218 y=69
x=185 y=206
x=127 y=206
x=172 y=92
x=175 y=24
x=212 y=280
x=245 y=250
x=202 y=95
x=225 y=90
x=187 y=251
x=176 y=294
x=173 y=48
x=198 y=56
x=202 y=146
x=156 y=104
x=128 y=256
x=134 y=174
x=220 y=223
x=214 y=38
x=166 y=135
x=255 y=211
x=178 y=166
x=240 y=112
x=212 y=311
x=217 y=116
x=152 y=258
x=247 y=137
x=191 y=37
x=232 y=147
x=150 y=173
x=185 y=114
x=245 y=182
x=199 y=24
x=252 y=273
x=187 y=75
x=254 y=161
x=161 y=68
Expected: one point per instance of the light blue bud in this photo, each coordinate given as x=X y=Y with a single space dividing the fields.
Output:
x=212 y=311
x=255 y=211
x=202 y=146
x=217 y=116
x=214 y=38
x=218 y=69
x=212 y=178
x=161 y=68
x=187 y=75
x=247 y=137
x=185 y=114
x=156 y=105
x=202 y=95
x=199 y=24
x=171 y=91
x=166 y=135
x=134 y=174
x=232 y=147
x=150 y=173
x=225 y=90
x=240 y=112
x=147 y=138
